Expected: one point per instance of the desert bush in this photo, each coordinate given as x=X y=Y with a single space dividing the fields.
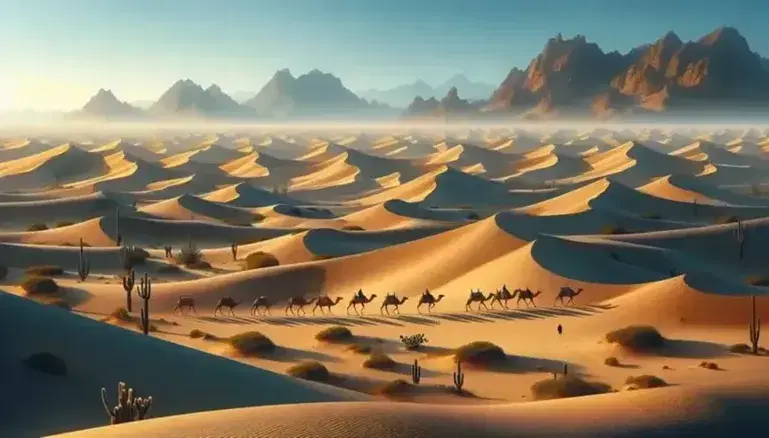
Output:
x=200 y=334
x=309 y=370
x=44 y=271
x=395 y=388
x=740 y=348
x=336 y=333
x=611 y=229
x=40 y=286
x=637 y=338
x=46 y=363
x=136 y=256
x=121 y=314
x=379 y=361
x=200 y=264
x=352 y=228
x=479 y=353
x=37 y=227
x=3 y=272
x=167 y=269
x=566 y=387
x=251 y=343
x=611 y=361
x=413 y=342
x=709 y=365
x=189 y=255
x=63 y=224
x=260 y=259
x=646 y=381
x=359 y=348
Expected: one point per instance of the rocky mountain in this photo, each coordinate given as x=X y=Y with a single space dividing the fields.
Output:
x=104 y=105
x=402 y=95
x=573 y=75
x=185 y=98
x=450 y=106
x=313 y=93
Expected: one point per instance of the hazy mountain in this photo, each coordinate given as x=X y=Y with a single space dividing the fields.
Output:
x=185 y=98
x=448 y=107
x=104 y=104
x=142 y=104
x=242 y=96
x=313 y=93
x=402 y=95
x=573 y=75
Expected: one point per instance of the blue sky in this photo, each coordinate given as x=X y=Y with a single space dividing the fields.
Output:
x=55 y=53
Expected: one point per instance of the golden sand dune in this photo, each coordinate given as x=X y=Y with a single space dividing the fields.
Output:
x=396 y=213
x=246 y=195
x=54 y=167
x=72 y=209
x=20 y=148
x=245 y=167
x=189 y=207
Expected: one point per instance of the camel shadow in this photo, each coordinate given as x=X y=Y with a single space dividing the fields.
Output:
x=418 y=320
x=688 y=349
x=218 y=319
x=287 y=354
x=461 y=317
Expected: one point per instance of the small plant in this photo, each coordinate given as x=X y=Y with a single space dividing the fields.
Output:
x=62 y=224
x=234 y=251
x=416 y=372
x=120 y=314
x=740 y=234
x=480 y=353
x=46 y=363
x=37 y=227
x=395 y=388
x=44 y=270
x=413 y=342
x=251 y=343
x=709 y=365
x=129 y=407
x=200 y=334
x=40 y=286
x=379 y=361
x=129 y=280
x=189 y=255
x=611 y=361
x=131 y=256
x=259 y=259
x=145 y=293
x=309 y=370
x=646 y=381
x=755 y=327
x=83 y=265
x=459 y=377
x=567 y=387
x=637 y=338
x=334 y=334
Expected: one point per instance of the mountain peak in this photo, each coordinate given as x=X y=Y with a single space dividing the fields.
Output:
x=723 y=35
x=105 y=104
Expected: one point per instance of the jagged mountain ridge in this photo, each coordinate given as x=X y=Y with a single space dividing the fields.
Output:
x=402 y=95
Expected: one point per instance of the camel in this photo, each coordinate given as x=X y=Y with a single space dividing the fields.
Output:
x=567 y=292
x=429 y=299
x=526 y=294
x=477 y=296
x=185 y=301
x=260 y=302
x=227 y=302
x=299 y=303
x=325 y=301
x=503 y=296
x=361 y=299
x=391 y=300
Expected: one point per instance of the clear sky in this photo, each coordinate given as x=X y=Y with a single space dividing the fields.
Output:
x=54 y=54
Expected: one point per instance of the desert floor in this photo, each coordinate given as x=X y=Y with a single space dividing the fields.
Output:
x=651 y=227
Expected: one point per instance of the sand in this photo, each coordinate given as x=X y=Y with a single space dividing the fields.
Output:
x=642 y=222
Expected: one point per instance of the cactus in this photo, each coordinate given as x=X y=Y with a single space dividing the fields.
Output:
x=755 y=328
x=83 y=265
x=459 y=377
x=119 y=239
x=128 y=408
x=413 y=342
x=565 y=369
x=126 y=261
x=145 y=293
x=234 y=250
x=129 y=279
x=740 y=234
x=169 y=251
x=416 y=372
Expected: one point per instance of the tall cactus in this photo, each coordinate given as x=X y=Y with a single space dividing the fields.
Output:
x=234 y=250
x=145 y=293
x=129 y=279
x=459 y=377
x=119 y=238
x=740 y=234
x=129 y=408
x=83 y=265
x=126 y=259
x=416 y=372
x=755 y=328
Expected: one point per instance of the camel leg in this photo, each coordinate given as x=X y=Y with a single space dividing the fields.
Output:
x=329 y=311
x=533 y=303
x=193 y=308
x=232 y=312
x=362 y=308
x=418 y=308
x=315 y=308
x=267 y=310
x=348 y=308
x=571 y=300
x=216 y=310
x=397 y=310
x=175 y=309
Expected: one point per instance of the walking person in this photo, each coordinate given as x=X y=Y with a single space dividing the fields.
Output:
x=560 y=329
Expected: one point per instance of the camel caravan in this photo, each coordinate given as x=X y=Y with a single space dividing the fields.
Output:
x=296 y=305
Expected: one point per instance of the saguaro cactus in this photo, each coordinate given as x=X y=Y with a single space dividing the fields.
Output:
x=234 y=250
x=83 y=265
x=755 y=328
x=740 y=234
x=459 y=377
x=119 y=238
x=416 y=372
x=129 y=279
x=129 y=408
x=145 y=292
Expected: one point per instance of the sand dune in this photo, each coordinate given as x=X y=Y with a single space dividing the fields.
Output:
x=54 y=167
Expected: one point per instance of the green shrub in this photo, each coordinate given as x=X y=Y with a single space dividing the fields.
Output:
x=189 y=255
x=44 y=271
x=396 y=388
x=637 y=338
x=479 y=353
x=309 y=370
x=251 y=343
x=334 y=334
x=40 y=286
x=566 y=387
x=259 y=259
x=37 y=227
x=121 y=314
x=46 y=363
x=646 y=381
x=379 y=361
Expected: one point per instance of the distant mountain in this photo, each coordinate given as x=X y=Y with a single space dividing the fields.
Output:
x=104 y=105
x=402 y=95
x=142 y=104
x=242 y=96
x=451 y=106
x=185 y=98
x=313 y=93
x=574 y=76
